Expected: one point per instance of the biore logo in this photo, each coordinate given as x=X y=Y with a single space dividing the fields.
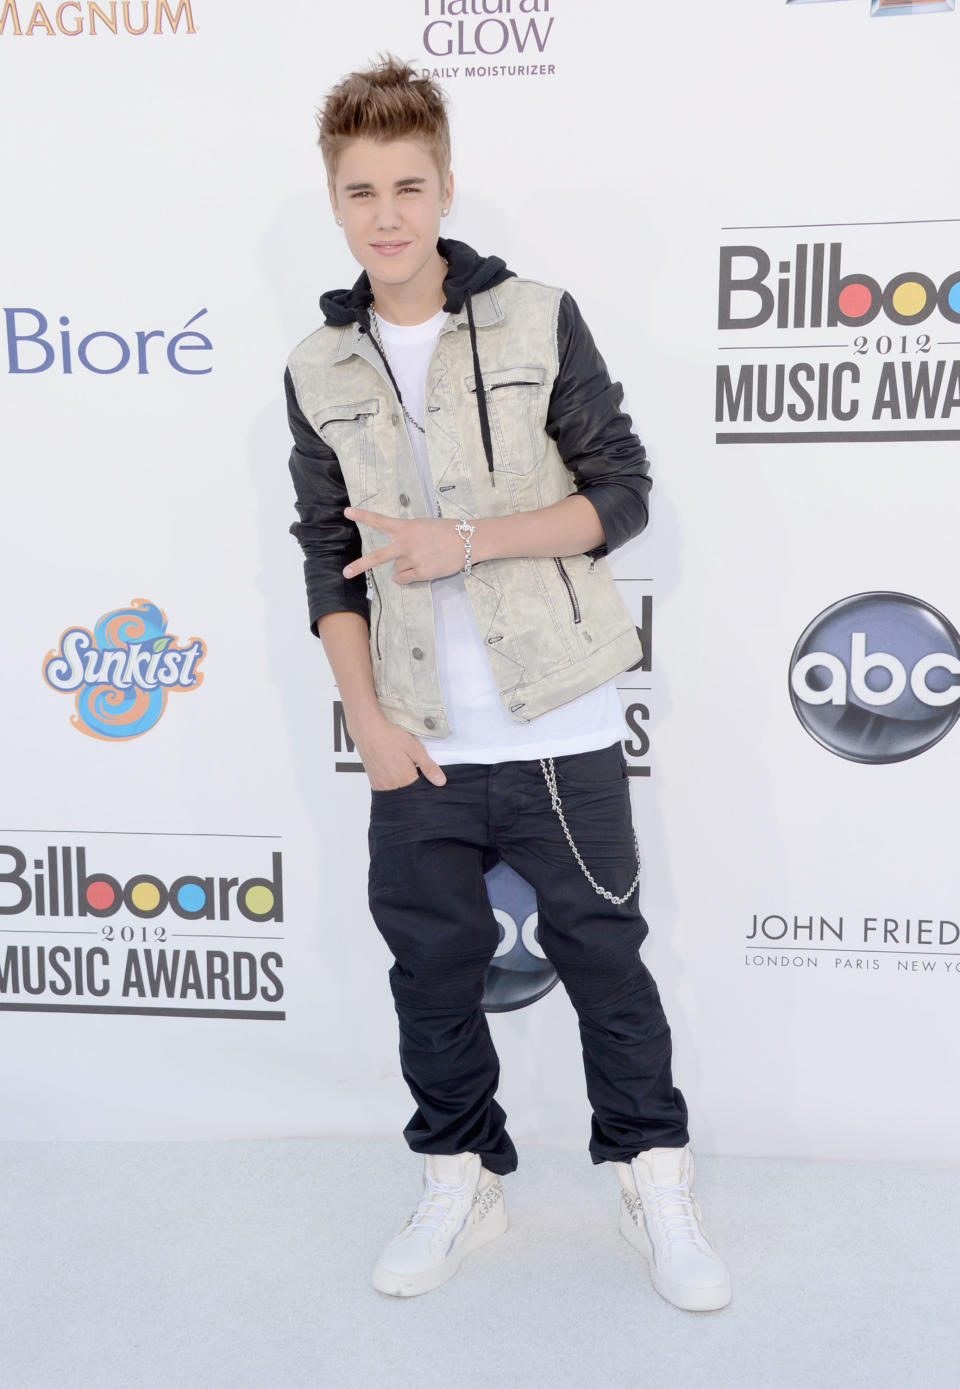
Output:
x=61 y=886
x=473 y=28
x=123 y=671
x=30 y=350
x=876 y=677
x=811 y=291
x=73 y=18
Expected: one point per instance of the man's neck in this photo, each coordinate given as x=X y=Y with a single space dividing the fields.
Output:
x=415 y=301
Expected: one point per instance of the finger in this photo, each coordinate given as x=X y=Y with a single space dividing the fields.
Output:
x=430 y=769
x=375 y=519
x=368 y=561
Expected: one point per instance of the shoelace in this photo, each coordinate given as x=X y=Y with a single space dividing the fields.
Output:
x=680 y=1226
x=426 y=1219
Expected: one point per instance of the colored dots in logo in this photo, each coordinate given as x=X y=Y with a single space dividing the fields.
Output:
x=258 y=900
x=909 y=298
x=191 y=897
x=855 y=300
x=100 y=895
x=145 y=896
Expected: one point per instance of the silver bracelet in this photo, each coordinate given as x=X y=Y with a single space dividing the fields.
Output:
x=465 y=532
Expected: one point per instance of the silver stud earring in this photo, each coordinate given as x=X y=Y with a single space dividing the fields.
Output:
x=444 y=212
x=339 y=221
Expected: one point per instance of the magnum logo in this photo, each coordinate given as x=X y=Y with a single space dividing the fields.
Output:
x=71 y=19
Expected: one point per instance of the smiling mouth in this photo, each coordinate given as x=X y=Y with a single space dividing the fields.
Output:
x=389 y=245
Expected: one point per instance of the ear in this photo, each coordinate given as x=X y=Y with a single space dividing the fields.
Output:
x=333 y=199
x=448 y=190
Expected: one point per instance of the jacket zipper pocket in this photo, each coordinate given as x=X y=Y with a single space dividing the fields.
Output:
x=376 y=633
x=571 y=591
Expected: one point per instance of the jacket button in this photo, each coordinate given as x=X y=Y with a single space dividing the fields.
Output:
x=429 y=723
x=417 y=654
x=404 y=499
x=394 y=420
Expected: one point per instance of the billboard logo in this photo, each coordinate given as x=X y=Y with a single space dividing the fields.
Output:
x=806 y=296
x=876 y=677
x=123 y=670
x=60 y=885
x=816 y=349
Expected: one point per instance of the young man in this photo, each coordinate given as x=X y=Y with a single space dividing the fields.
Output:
x=462 y=466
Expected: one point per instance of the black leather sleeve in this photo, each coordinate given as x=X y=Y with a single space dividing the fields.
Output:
x=594 y=436
x=328 y=540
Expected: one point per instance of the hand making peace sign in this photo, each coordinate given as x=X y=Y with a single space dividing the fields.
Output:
x=421 y=548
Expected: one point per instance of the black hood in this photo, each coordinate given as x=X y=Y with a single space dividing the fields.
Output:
x=469 y=273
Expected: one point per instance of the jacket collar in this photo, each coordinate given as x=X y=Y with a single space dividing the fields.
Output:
x=487 y=310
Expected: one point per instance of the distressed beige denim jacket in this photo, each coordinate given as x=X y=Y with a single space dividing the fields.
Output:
x=547 y=423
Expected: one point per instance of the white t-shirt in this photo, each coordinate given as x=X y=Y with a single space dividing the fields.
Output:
x=483 y=731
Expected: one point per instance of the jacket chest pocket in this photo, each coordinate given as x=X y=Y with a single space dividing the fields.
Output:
x=514 y=396
x=349 y=431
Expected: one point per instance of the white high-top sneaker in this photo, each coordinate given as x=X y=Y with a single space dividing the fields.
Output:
x=462 y=1207
x=660 y=1216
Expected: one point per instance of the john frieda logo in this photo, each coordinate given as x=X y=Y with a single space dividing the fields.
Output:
x=122 y=672
x=876 y=677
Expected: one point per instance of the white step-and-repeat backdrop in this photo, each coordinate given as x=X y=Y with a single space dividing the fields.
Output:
x=754 y=203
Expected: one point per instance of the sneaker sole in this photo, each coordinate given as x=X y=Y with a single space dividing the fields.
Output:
x=471 y=1238
x=687 y=1299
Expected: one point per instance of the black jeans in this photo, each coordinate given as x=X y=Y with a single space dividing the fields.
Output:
x=428 y=897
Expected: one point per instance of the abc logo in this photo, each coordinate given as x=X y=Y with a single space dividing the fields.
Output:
x=876 y=677
x=519 y=973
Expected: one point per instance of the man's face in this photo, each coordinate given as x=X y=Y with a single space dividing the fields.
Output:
x=390 y=198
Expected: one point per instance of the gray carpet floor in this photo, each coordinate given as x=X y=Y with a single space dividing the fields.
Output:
x=221 y=1265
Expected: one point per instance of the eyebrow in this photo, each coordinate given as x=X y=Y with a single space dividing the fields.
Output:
x=352 y=187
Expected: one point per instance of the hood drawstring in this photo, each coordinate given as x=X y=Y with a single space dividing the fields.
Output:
x=481 y=395
x=363 y=316
x=467 y=273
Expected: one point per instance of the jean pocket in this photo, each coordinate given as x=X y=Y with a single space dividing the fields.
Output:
x=588 y=771
x=392 y=790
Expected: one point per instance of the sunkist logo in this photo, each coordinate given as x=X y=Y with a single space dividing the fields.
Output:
x=122 y=671
x=61 y=886
x=71 y=19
